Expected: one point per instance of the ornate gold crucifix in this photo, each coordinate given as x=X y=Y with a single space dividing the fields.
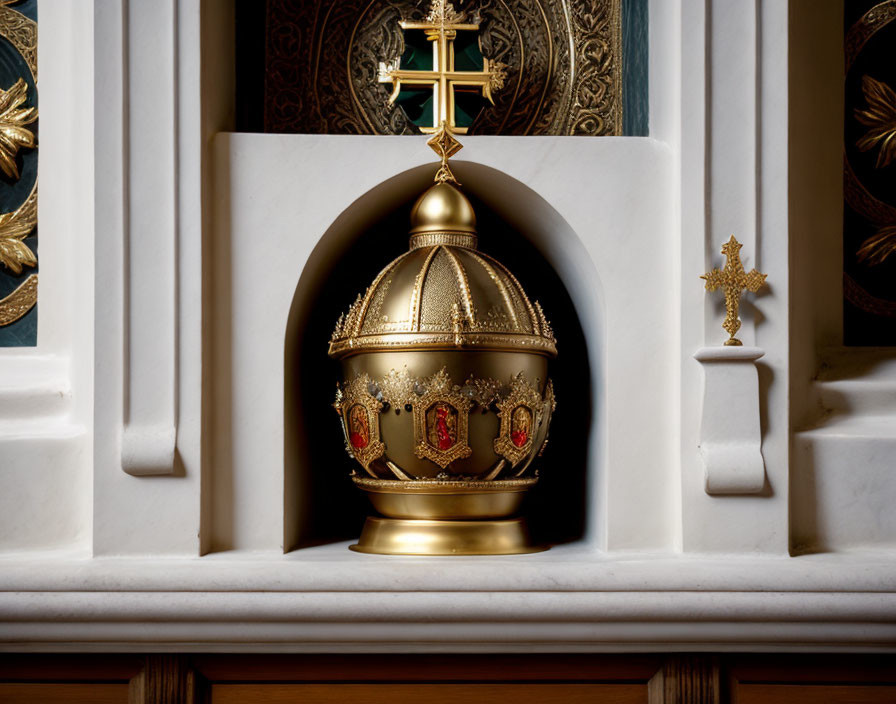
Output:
x=733 y=279
x=441 y=26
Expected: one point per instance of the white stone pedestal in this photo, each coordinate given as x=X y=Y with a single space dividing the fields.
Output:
x=730 y=436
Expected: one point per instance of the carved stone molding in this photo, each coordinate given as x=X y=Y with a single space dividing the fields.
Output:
x=143 y=213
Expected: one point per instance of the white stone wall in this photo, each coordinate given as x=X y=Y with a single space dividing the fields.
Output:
x=145 y=499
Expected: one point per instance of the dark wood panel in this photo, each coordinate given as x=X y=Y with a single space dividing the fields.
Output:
x=166 y=679
x=431 y=668
x=429 y=693
x=687 y=679
x=831 y=669
x=63 y=693
x=813 y=694
x=100 y=667
x=799 y=679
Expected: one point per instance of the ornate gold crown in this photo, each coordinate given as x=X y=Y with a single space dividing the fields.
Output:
x=443 y=293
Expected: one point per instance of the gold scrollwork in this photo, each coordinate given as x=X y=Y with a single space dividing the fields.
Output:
x=13 y=133
x=878 y=117
x=21 y=32
x=858 y=35
x=397 y=388
x=563 y=62
x=441 y=418
x=19 y=302
x=15 y=227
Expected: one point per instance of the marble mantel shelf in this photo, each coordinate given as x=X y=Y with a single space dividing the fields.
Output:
x=568 y=599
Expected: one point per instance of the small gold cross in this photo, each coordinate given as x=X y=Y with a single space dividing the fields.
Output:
x=733 y=279
x=441 y=27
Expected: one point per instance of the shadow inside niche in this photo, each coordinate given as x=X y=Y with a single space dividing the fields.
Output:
x=335 y=510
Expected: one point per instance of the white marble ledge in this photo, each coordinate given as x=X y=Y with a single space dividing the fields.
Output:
x=334 y=568
x=327 y=599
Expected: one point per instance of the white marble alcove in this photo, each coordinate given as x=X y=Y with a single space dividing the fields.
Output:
x=150 y=498
x=520 y=227
x=579 y=236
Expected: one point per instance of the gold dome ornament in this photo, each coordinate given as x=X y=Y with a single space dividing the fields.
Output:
x=441 y=210
x=446 y=401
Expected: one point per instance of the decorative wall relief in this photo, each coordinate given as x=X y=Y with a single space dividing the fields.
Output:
x=18 y=173
x=869 y=170
x=563 y=62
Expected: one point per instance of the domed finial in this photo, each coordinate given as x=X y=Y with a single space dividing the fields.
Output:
x=445 y=145
x=443 y=215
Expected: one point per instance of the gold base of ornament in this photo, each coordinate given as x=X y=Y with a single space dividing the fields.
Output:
x=441 y=500
x=397 y=536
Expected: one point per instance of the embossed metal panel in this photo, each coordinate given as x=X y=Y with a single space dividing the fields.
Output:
x=563 y=58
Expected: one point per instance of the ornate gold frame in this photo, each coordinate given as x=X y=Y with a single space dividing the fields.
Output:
x=356 y=394
x=439 y=390
x=522 y=394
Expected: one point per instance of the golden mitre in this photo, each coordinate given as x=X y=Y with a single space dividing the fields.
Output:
x=446 y=399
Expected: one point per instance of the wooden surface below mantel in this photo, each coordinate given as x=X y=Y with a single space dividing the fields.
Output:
x=692 y=678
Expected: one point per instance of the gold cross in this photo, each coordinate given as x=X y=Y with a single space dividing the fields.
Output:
x=441 y=26
x=733 y=279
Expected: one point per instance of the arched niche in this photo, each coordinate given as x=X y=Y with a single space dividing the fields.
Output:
x=529 y=236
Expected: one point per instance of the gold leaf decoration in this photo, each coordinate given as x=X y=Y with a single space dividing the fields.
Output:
x=13 y=133
x=879 y=246
x=880 y=118
x=15 y=227
x=19 y=302
x=14 y=254
x=443 y=12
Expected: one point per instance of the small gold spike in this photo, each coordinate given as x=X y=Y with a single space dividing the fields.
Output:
x=733 y=279
x=445 y=145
